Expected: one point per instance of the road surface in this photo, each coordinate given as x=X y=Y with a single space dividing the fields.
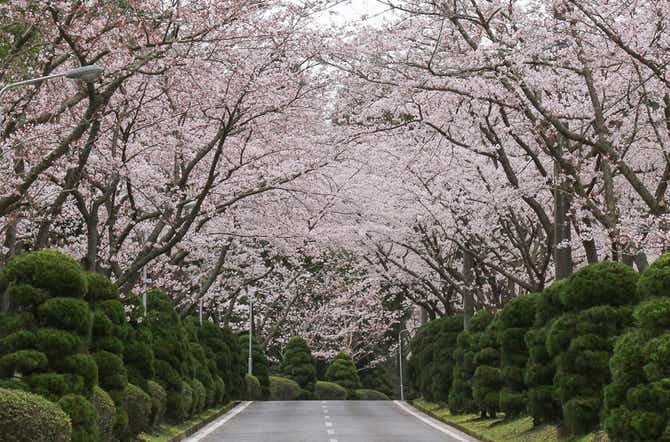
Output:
x=327 y=421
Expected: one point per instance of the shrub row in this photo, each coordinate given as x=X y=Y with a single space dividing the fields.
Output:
x=589 y=350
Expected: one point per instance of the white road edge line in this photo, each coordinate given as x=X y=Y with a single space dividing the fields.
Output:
x=207 y=430
x=444 y=429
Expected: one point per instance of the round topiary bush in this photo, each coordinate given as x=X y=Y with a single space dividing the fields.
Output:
x=83 y=417
x=52 y=271
x=65 y=314
x=602 y=283
x=283 y=389
x=158 y=403
x=253 y=390
x=58 y=344
x=22 y=362
x=329 y=391
x=298 y=363
x=371 y=395
x=105 y=412
x=138 y=406
x=100 y=288
x=343 y=372
x=26 y=417
x=460 y=394
x=18 y=340
x=24 y=297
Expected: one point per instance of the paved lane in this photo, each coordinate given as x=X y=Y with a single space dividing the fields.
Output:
x=328 y=421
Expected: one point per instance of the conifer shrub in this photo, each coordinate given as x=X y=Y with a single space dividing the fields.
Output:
x=515 y=319
x=543 y=404
x=329 y=391
x=365 y=394
x=105 y=412
x=443 y=356
x=83 y=416
x=138 y=407
x=199 y=397
x=298 y=363
x=637 y=401
x=343 y=372
x=597 y=300
x=283 y=389
x=486 y=381
x=377 y=378
x=27 y=417
x=421 y=367
x=460 y=393
x=253 y=388
x=260 y=362
x=23 y=362
x=186 y=402
x=158 y=403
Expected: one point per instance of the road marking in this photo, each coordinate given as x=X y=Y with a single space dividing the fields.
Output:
x=209 y=429
x=329 y=424
x=326 y=417
x=331 y=432
x=440 y=428
x=333 y=440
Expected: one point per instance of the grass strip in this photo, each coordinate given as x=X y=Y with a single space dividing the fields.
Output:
x=174 y=433
x=499 y=430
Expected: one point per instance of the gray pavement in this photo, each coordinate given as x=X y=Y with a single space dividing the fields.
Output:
x=327 y=421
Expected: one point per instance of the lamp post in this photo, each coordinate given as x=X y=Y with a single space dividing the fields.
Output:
x=86 y=73
x=400 y=358
x=250 y=294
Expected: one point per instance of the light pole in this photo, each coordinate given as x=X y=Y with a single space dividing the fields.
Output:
x=400 y=358
x=250 y=294
x=86 y=73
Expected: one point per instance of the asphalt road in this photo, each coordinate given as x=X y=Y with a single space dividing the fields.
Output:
x=327 y=421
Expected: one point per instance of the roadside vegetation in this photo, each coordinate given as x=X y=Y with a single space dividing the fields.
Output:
x=586 y=356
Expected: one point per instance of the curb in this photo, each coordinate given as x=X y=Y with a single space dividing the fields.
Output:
x=195 y=428
x=458 y=426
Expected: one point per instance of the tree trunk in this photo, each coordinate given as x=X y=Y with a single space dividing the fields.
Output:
x=562 y=231
x=468 y=298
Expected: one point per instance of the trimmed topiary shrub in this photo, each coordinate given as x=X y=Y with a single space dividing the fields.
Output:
x=186 y=402
x=224 y=348
x=83 y=417
x=377 y=378
x=138 y=407
x=83 y=365
x=637 y=401
x=52 y=271
x=282 y=389
x=23 y=362
x=329 y=391
x=158 y=403
x=253 y=390
x=443 y=356
x=100 y=288
x=460 y=393
x=199 y=397
x=542 y=400
x=486 y=381
x=55 y=385
x=106 y=414
x=371 y=395
x=112 y=374
x=581 y=340
x=66 y=314
x=421 y=368
x=26 y=417
x=515 y=319
x=24 y=297
x=298 y=363
x=343 y=372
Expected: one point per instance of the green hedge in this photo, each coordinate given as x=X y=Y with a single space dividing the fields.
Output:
x=364 y=394
x=26 y=417
x=283 y=389
x=329 y=391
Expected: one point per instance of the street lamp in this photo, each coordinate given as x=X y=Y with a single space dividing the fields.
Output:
x=85 y=73
x=400 y=358
x=250 y=295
